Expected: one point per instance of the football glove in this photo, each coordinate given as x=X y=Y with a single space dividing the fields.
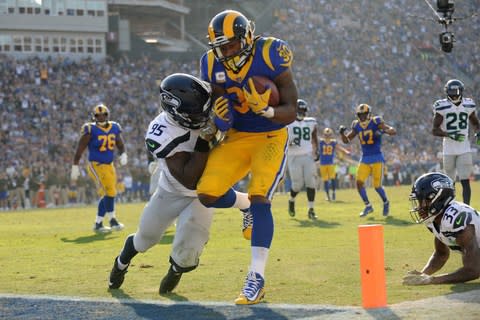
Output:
x=75 y=172
x=460 y=137
x=342 y=129
x=477 y=138
x=223 y=118
x=415 y=278
x=123 y=159
x=258 y=102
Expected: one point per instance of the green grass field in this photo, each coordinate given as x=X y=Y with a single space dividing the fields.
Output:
x=55 y=252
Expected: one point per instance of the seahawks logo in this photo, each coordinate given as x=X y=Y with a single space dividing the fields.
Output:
x=170 y=99
x=441 y=184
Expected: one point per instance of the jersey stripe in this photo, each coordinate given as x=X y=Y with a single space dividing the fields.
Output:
x=172 y=145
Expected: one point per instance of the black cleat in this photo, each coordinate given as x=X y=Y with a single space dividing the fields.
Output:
x=170 y=281
x=116 y=276
x=291 y=208
x=311 y=214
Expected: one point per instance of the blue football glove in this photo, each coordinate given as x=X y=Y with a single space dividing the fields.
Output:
x=223 y=118
x=460 y=137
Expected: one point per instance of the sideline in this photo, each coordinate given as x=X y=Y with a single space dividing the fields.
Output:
x=12 y=306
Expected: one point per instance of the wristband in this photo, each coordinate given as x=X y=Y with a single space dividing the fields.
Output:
x=201 y=145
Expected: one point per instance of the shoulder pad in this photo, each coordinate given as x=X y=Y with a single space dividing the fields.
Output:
x=377 y=120
x=87 y=128
x=468 y=103
x=275 y=52
x=441 y=105
x=310 y=119
x=162 y=138
x=354 y=123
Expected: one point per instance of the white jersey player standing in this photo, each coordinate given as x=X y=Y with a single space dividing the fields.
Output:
x=302 y=154
x=176 y=138
x=455 y=226
x=451 y=120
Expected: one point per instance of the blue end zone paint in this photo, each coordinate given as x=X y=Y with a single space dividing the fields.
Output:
x=15 y=307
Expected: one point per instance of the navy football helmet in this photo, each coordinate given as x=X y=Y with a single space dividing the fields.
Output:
x=186 y=99
x=454 y=90
x=302 y=108
x=431 y=194
x=229 y=26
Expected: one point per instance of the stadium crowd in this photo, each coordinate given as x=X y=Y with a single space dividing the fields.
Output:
x=394 y=64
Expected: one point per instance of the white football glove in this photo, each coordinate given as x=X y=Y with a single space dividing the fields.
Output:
x=152 y=166
x=75 y=172
x=415 y=278
x=123 y=159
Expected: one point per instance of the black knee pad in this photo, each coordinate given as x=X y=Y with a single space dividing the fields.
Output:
x=181 y=269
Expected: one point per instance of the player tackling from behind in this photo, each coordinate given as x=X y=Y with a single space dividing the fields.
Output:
x=455 y=226
x=176 y=138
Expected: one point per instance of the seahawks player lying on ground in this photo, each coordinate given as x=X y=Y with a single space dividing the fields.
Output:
x=455 y=225
x=178 y=137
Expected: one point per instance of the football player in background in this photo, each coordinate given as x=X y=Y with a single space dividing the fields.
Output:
x=327 y=147
x=369 y=130
x=178 y=139
x=302 y=154
x=451 y=119
x=101 y=137
x=256 y=135
x=455 y=226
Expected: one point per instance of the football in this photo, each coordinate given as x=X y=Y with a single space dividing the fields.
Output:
x=262 y=84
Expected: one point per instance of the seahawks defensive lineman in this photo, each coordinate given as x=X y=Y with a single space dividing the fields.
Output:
x=451 y=120
x=302 y=154
x=178 y=138
x=455 y=225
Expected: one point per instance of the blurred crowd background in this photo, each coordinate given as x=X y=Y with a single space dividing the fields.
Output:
x=383 y=53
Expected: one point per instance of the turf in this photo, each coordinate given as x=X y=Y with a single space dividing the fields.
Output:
x=55 y=252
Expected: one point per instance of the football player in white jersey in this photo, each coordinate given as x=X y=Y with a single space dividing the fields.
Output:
x=302 y=154
x=455 y=225
x=178 y=139
x=451 y=120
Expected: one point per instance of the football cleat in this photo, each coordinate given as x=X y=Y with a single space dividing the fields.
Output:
x=170 y=281
x=253 y=290
x=311 y=214
x=116 y=275
x=366 y=211
x=291 y=208
x=247 y=224
x=100 y=228
x=327 y=197
x=386 y=208
x=115 y=225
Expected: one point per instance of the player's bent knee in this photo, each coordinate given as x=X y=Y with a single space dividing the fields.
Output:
x=190 y=239
x=142 y=242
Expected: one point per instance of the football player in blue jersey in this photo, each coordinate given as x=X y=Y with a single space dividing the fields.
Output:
x=327 y=147
x=256 y=138
x=369 y=130
x=455 y=226
x=101 y=137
